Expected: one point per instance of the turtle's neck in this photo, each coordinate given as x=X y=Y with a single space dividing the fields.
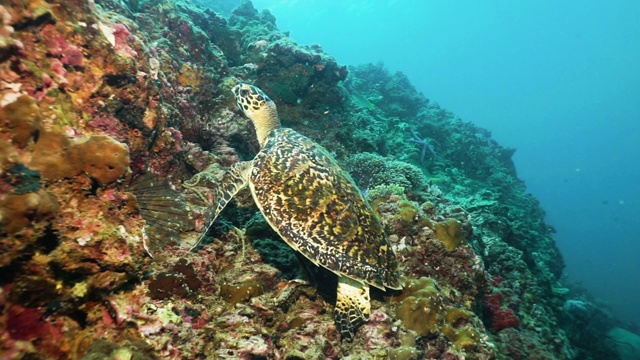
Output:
x=265 y=121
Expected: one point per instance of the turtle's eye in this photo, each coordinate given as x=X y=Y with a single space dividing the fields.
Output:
x=244 y=92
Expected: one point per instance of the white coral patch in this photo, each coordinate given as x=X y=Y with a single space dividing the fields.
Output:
x=84 y=240
x=108 y=32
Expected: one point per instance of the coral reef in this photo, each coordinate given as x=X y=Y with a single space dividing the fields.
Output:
x=116 y=123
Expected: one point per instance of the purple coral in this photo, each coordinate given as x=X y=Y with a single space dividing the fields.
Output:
x=58 y=46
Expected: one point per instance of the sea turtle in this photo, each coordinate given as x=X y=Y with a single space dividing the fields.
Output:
x=314 y=206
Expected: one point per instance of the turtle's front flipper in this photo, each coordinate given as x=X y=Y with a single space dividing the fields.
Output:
x=352 y=306
x=233 y=181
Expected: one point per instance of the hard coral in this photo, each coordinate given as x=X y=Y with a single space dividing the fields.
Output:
x=50 y=156
x=102 y=158
x=22 y=117
x=420 y=307
x=403 y=217
x=241 y=292
x=17 y=211
x=370 y=170
x=450 y=233
x=8 y=155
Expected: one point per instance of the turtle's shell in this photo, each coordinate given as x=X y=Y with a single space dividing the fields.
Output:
x=317 y=209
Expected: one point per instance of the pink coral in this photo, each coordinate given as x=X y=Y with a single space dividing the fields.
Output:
x=110 y=126
x=59 y=47
x=58 y=68
x=501 y=318
x=505 y=318
x=122 y=37
x=72 y=55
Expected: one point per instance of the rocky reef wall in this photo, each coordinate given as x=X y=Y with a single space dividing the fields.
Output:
x=116 y=121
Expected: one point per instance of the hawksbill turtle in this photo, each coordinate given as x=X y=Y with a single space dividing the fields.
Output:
x=314 y=206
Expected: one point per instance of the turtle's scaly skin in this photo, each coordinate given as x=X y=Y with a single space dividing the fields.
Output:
x=314 y=206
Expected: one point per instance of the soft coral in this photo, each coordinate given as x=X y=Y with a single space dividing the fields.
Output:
x=500 y=318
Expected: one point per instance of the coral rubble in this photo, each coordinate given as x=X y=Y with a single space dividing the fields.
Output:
x=117 y=123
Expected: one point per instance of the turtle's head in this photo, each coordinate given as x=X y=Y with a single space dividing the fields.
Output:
x=259 y=108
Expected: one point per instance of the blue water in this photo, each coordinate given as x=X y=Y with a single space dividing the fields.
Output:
x=558 y=80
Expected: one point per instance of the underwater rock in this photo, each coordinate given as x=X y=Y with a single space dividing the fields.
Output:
x=22 y=179
x=8 y=46
x=500 y=317
x=181 y=281
x=626 y=343
x=58 y=46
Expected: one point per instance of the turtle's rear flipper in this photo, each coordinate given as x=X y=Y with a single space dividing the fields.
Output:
x=236 y=178
x=352 y=306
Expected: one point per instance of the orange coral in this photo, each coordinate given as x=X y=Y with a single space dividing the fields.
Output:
x=102 y=158
x=50 y=156
x=17 y=211
x=23 y=118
